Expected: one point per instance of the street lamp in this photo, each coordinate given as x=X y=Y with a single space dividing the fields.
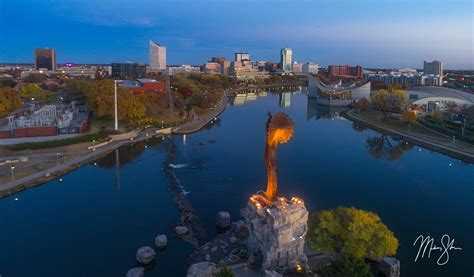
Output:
x=162 y=126
x=57 y=158
x=13 y=175
x=116 y=82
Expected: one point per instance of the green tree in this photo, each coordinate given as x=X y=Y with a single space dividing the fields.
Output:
x=224 y=272
x=389 y=100
x=35 y=92
x=345 y=267
x=352 y=233
x=7 y=82
x=9 y=100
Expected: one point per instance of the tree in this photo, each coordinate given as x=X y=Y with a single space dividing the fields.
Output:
x=352 y=233
x=35 y=78
x=345 y=267
x=362 y=104
x=9 y=100
x=389 y=100
x=7 y=82
x=224 y=272
x=34 y=92
x=381 y=147
x=438 y=117
x=409 y=116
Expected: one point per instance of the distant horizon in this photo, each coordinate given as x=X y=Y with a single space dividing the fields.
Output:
x=323 y=66
x=322 y=32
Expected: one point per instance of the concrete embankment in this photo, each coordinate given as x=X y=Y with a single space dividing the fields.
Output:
x=413 y=138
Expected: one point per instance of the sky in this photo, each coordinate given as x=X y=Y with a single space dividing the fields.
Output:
x=371 y=33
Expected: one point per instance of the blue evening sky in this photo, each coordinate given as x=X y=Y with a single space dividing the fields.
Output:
x=372 y=33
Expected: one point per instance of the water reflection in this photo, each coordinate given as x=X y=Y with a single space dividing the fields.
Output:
x=285 y=99
x=127 y=154
x=385 y=147
x=323 y=112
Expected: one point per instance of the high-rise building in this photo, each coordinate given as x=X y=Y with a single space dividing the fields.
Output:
x=286 y=59
x=434 y=67
x=128 y=70
x=225 y=66
x=242 y=56
x=45 y=58
x=157 y=56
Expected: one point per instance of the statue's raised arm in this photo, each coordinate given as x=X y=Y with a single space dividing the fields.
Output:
x=279 y=130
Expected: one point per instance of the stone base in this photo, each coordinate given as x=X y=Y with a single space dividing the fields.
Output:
x=277 y=233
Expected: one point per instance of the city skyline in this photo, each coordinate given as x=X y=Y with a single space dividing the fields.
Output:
x=321 y=32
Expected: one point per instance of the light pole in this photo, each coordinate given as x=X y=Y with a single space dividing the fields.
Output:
x=162 y=126
x=13 y=175
x=116 y=82
x=57 y=158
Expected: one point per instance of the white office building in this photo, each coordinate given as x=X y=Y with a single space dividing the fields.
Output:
x=157 y=56
x=286 y=59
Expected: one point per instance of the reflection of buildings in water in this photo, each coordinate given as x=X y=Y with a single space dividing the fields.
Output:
x=322 y=111
x=285 y=99
x=244 y=97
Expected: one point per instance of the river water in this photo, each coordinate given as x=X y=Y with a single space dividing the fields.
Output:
x=91 y=222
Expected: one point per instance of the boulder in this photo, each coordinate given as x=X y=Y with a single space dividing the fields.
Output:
x=181 y=230
x=145 y=255
x=272 y=273
x=240 y=230
x=389 y=267
x=136 y=272
x=203 y=269
x=161 y=241
x=223 y=220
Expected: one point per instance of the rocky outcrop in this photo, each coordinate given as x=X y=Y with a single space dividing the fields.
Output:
x=161 y=241
x=145 y=255
x=203 y=269
x=136 y=272
x=223 y=220
x=181 y=230
x=389 y=267
x=277 y=233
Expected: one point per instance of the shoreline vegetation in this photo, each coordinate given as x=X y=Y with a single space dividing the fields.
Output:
x=415 y=134
x=418 y=135
x=87 y=156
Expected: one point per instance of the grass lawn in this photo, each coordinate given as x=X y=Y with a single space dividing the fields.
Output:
x=57 y=143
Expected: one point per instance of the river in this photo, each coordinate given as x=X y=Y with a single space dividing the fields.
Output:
x=91 y=221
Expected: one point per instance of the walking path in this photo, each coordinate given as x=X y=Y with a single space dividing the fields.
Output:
x=436 y=141
x=197 y=123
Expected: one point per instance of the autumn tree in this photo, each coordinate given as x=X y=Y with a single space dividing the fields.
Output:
x=438 y=117
x=35 y=78
x=409 y=116
x=35 y=92
x=353 y=233
x=9 y=100
x=389 y=100
x=362 y=104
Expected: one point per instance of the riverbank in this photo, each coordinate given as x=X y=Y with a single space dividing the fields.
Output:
x=86 y=155
x=418 y=135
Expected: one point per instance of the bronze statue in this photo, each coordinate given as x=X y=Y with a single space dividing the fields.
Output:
x=279 y=130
